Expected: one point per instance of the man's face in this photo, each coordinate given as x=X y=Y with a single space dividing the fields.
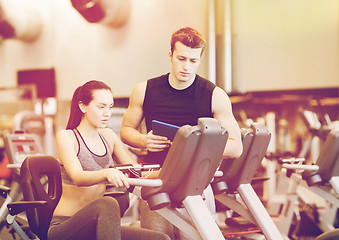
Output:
x=185 y=62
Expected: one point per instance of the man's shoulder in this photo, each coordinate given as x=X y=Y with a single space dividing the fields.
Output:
x=205 y=83
x=151 y=85
x=157 y=80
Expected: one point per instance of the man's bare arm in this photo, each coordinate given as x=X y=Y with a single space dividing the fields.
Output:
x=129 y=132
x=133 y=116
x=222 y=111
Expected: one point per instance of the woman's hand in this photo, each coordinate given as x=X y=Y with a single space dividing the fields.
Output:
x=116 y=177
x=156 y=143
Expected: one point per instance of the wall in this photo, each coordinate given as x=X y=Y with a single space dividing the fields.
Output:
x=285 y=44
x=275 y=44
x=81 y=51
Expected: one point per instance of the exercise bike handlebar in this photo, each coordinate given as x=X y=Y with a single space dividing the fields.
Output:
x=137 y=167
x=301 y=167
x=155 y=182
x=13 y=165
x=145 y=182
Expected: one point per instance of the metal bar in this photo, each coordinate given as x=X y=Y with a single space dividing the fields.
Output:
x=259 y=212
x=235 y=206
x=202 y=218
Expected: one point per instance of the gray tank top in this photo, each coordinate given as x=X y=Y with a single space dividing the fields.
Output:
x=88 y=160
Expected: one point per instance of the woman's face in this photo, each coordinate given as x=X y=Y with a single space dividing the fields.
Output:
x=99 y=110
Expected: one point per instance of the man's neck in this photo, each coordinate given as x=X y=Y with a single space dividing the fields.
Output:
x=179 y=85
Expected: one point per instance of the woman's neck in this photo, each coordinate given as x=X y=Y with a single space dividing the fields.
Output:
x=85 y=128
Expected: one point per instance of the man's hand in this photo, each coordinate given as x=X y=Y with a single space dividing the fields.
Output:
x=156 y=143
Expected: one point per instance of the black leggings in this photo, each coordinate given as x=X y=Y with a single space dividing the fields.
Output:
x=98 y=220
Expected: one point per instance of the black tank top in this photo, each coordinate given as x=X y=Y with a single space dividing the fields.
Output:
x=179 y=107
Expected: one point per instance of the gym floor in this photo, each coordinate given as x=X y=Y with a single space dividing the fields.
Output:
x=4 y=235
x=307 y=230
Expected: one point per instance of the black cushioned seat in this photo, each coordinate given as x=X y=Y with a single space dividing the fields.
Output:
x=37 y=174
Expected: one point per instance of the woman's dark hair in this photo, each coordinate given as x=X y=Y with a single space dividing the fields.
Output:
x=83 y=94
x=189 y=37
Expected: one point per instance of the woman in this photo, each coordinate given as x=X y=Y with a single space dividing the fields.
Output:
x=84 y=151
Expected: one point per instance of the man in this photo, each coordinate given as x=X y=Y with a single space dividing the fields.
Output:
x=179 y=98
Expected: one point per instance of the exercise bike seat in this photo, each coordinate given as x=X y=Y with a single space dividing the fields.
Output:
x=37 y=172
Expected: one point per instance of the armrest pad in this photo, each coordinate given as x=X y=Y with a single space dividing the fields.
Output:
x=15 y=208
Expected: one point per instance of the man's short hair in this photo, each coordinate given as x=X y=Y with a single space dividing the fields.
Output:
x=189 y=37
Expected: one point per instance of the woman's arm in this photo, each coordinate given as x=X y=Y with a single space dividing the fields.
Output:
x=67 y=152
